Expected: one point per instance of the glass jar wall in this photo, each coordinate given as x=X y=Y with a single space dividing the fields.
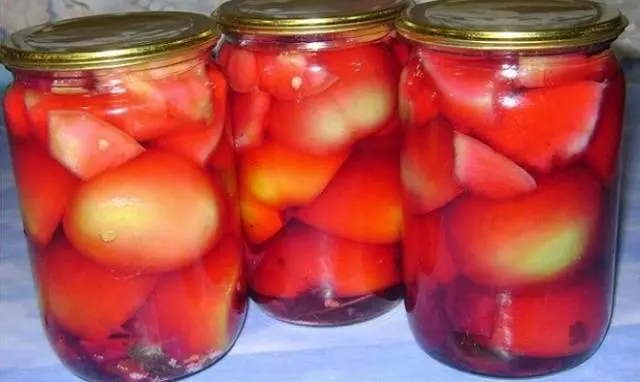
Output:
x=512 y=115
x=126 y=183
x=313 y=107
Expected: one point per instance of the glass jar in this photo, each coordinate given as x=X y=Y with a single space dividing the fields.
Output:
x=126 y=184
x=313 y=94
x=512 y=116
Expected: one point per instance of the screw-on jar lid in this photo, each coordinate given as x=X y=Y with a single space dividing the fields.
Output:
x=512 y=25
x=107 y=41
x=294 y=17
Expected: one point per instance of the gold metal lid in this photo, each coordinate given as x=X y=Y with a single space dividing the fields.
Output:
x=511 y=25
x=107 y=41
x=294 y=17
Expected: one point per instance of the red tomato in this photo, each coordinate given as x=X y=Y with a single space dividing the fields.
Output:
x=363 y=202
x=241 y=70
x=280 y=177
x=15 y=111
x=88 y=146
x=260 y=222
x=555 y=322
x=402 y=50
x=45 y=189
x=535 y=238
x=303 y=258
x=223 y=157
x=426 y=253
x=427 y=167
x=602 y=154
x=188 y=95
x=219 y=96
x=249 y=112
x=360 y=103
x=191 y=312
x=467 y=89
x=483 y=171
x=291 y=75
x=156 y=213
x=542 y=127
x=417 y=98
x=88 y=300
x=562 y=69
x=472 y=309
x=196 y=146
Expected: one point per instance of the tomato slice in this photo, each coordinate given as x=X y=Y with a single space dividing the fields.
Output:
x=574 y=320
x=302 y=258
x=546 y=127
x=241 y=70
x=249 y=112
x=603 y=152
x=467 y=88
x=196 y=146
x=280 y=177
x=426 y=253
x=360 y=103
x=292 y=75
x=427 y=167
x=363 y=202
x=88 y=146
x=88 y=300
x=483 y=171
x=562 y=69
x=260 y=222
x=496 y=242
x=417 y=100
x=45 y=189
x=15 y=111
x=191 y=312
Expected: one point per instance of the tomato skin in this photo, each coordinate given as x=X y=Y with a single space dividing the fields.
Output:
x=87 y=299
x=148 y=199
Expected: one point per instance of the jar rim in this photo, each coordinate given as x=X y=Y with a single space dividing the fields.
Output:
x=509 y=25
x=304 y=17
x=107 y=41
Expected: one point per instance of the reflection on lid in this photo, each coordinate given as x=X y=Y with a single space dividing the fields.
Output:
x=508 y=24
